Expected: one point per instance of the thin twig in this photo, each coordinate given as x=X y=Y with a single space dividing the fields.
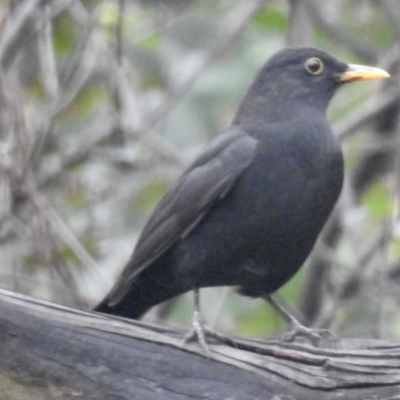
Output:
x=235 y=24
x=14 y=29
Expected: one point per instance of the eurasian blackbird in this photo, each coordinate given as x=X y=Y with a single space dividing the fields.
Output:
x=249 y=209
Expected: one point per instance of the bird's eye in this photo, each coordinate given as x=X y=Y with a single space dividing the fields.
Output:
x=314 y=66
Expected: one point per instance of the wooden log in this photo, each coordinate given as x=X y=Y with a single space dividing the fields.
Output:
x=53 y=352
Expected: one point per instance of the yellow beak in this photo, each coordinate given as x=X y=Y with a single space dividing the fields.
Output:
x=362 y=73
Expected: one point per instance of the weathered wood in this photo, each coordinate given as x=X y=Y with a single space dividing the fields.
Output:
x=54 y=352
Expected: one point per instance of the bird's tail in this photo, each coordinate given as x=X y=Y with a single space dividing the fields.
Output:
x=141 y=296
x=127 y=307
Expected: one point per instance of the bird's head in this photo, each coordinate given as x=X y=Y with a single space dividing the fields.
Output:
x=295 y=79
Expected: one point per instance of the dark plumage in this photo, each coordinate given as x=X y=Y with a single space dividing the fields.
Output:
x=248 y=211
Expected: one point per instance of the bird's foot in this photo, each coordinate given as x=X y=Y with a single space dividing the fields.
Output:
x=197 y=331
x=314 y=335
x=296 y=328
x=200 y=331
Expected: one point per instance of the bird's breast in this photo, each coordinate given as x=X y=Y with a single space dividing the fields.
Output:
x=293 y=183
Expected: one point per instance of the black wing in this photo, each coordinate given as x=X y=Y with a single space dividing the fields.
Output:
x=206 y=181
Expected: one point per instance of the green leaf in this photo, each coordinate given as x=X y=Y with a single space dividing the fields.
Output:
x=66 y=34
x=262 y=322
x=377 y=200
x=85 y=102
x=151 y=41
x=151 y=194
x=272 y=17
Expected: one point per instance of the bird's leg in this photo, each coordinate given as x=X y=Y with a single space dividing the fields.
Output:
x=200 y=330
x=296 y=328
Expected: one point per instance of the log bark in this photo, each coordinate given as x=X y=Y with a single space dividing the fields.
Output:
x=53 y=352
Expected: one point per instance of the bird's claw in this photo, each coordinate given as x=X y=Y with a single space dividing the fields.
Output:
x=315 y=335
x=199 y=331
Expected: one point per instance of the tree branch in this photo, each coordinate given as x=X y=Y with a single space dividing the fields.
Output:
x=51 y=350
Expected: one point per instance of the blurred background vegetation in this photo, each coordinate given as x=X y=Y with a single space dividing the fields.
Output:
x=104 y=102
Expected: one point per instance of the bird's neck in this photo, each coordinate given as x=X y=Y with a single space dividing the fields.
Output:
x=272 y=102
x=258 y=112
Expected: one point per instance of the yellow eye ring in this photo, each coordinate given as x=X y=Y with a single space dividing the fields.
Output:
x=314 y=66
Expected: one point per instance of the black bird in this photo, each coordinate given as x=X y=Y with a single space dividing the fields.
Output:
x=249 y=209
